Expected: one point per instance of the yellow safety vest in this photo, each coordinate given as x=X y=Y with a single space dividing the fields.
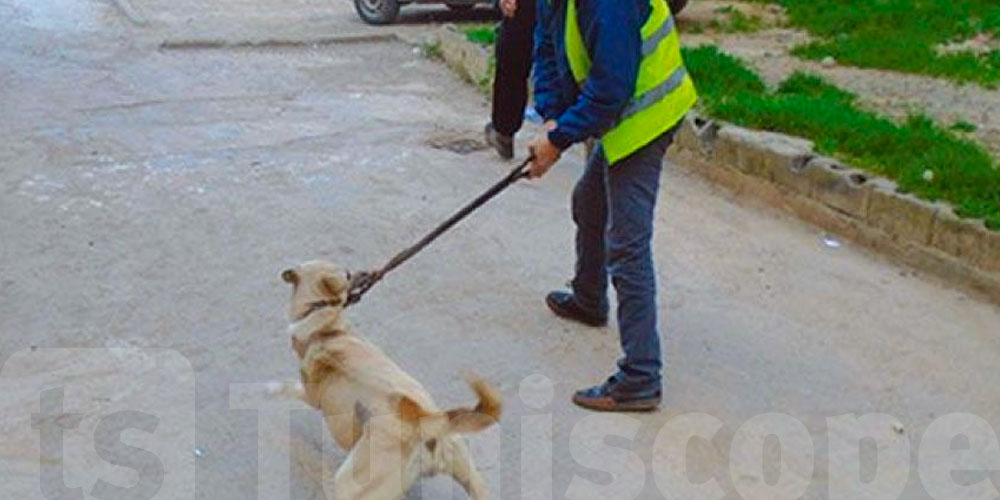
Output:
x=664 y=92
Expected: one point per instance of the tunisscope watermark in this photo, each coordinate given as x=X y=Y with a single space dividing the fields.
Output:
x=120 y=424
x=104 y=423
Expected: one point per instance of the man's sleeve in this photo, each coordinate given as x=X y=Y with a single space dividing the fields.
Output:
x=546 y=73
x=614 y=40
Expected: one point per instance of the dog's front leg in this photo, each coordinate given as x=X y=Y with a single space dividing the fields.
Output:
x=288 y=389
x=345 y=428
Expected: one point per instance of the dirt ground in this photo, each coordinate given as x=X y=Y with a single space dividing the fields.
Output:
x=150 y=197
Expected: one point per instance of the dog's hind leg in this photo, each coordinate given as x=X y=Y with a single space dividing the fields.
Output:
x=463 y=470
x=374 y=470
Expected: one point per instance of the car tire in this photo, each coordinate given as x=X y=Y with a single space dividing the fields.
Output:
x=676 y=6
x=377 y=11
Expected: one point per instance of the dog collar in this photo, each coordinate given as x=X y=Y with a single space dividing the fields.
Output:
x=319 y=304
x=322 y=335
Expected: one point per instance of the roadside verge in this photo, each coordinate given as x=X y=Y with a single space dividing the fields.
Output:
x=786 y=172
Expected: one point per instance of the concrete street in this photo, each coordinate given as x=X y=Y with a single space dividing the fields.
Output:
x=150 y=197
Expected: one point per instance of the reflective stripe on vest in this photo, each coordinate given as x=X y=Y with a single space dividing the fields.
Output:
x=663 y=90
x=653 y=42
x=658 y=92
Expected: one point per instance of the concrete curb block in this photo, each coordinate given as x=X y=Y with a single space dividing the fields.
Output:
x=762 y=154
x=470 y=61
x=839 y=186
x=787 y=173
x=901 y=216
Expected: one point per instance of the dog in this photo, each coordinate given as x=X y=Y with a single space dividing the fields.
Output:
x=394 y=432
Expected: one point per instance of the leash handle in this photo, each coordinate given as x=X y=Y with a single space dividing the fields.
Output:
x=362 y=282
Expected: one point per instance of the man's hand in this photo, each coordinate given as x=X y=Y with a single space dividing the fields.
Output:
x=508 y=7
x=546 y=154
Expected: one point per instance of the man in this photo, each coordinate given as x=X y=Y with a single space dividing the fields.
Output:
x=612 y=69
x=510 y=81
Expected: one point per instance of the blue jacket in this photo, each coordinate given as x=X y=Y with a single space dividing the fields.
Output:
x=611 y=33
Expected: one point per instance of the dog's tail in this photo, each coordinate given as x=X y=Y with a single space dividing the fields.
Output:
x=485 y=414
x=461 y=420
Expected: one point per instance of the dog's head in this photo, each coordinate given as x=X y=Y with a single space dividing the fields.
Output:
x=316 y=284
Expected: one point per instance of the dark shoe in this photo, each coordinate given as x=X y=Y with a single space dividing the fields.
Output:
x=565 y=306
x=606 y=397
x=504 y=144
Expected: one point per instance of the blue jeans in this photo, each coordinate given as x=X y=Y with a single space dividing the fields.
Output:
x=613 y=211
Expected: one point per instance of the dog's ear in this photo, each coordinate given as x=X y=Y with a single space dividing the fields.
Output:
x=331 y=286
x=290 y=276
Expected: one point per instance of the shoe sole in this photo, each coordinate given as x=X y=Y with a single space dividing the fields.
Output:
x=609 y=405
x=562 y=313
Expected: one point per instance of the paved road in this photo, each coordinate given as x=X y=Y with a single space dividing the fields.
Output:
x=149 y=199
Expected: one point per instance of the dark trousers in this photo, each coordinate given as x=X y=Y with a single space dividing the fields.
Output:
x=513 y=54
x=613 y=207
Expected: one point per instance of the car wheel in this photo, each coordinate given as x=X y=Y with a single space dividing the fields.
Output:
x=460 y=7
x=377 y=11
x=676 y=6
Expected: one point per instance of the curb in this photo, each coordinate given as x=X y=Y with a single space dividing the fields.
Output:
x=786 y=172
x=469 y=60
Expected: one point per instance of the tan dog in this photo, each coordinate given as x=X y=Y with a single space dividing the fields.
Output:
x=388 y=421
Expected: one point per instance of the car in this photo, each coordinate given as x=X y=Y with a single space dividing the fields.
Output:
x=386 y=11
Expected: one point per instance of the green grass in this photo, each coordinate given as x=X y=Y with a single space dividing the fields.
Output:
x=900 y=35
x=964 y=126
x=735 y=21
x=480 y=34
x=432 y=50
x=805 y=105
